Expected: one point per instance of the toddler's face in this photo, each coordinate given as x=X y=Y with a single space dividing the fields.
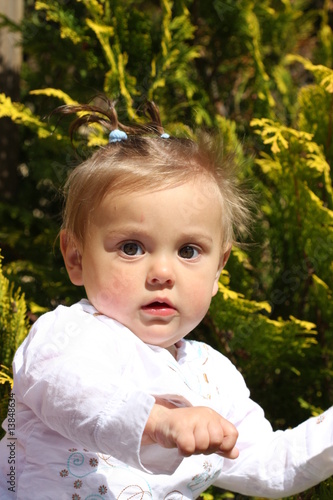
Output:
x=151 y=260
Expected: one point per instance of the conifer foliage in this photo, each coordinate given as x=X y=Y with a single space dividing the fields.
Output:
x=13 y=330
x=257 y=72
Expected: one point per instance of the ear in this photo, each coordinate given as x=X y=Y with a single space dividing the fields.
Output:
x=72 y=257
x=223 y=261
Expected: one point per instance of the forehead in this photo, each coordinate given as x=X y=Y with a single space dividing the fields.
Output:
x=196 y=202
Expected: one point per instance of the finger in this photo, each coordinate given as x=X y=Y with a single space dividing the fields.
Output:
x=230 y=436
x=202 y=439
x=186 y=444
x=232 y=454
x=216 y=435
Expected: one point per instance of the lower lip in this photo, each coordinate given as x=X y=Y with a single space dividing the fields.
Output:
x=161 y=311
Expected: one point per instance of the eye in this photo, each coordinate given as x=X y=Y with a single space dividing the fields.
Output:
x=132 y=248
x=188 y=252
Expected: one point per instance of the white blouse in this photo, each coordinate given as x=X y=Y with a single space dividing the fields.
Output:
x=84 y=386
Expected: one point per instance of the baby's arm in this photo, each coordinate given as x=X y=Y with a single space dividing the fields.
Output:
x=281 y=463
x=270 y=464
x=193 y=430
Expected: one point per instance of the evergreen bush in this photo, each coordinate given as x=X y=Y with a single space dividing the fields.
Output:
x=13 y=330
x=259 y=72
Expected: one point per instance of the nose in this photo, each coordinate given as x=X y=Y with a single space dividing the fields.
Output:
x=161 y=272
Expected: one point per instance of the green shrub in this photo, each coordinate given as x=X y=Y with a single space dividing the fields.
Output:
x=13 y=330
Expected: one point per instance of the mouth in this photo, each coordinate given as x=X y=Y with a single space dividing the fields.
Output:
x=159 y=308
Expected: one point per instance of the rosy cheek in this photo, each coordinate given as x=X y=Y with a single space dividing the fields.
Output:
x=104 y=298
x=116 y=289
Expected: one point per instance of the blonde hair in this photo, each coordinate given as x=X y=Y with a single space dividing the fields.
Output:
x=147 y=162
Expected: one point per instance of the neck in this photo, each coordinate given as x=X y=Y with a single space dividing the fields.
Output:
x=173 y=350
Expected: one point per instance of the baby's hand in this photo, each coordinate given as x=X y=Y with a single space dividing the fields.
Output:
x=193 y=430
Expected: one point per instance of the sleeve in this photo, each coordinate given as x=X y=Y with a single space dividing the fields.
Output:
x=273 y=464
x=72 y=374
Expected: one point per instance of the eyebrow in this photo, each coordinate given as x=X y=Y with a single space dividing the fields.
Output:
x=136 y=231
x=197 y=236
x=127 y=231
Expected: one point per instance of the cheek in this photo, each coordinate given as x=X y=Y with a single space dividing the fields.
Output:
x=114 y=290
x=199 y=295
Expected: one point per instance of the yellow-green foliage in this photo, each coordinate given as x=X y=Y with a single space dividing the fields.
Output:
x=21 y=115
x=299 y=167
x=251 y=330
x=170 y=66
x=13 y=321
x=219 y=64
x=13 y=330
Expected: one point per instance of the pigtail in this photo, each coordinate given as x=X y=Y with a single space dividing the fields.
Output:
x=108 y=118
x=153 y=112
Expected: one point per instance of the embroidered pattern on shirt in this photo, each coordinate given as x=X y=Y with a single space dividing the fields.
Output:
x=200 y=385
x=139 y=493
x=206 y=477
x=78 y=459
x=103 y=490
x=81 y=465
x=78 y=484
x=174 y=495
x=93 y=462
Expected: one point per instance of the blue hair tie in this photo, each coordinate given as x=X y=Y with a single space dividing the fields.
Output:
x=117 y=135
x=165 y=136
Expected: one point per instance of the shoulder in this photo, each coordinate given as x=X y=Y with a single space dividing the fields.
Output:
x=74 y=339
x=63 y=319
x=77 y=327
x=63 y=312
x=76 y=318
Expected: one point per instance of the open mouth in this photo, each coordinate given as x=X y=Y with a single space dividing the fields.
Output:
x=159 y=308
x=157 y=305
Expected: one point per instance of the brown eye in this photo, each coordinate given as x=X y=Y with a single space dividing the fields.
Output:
x=188 y=252
x=131 y=248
